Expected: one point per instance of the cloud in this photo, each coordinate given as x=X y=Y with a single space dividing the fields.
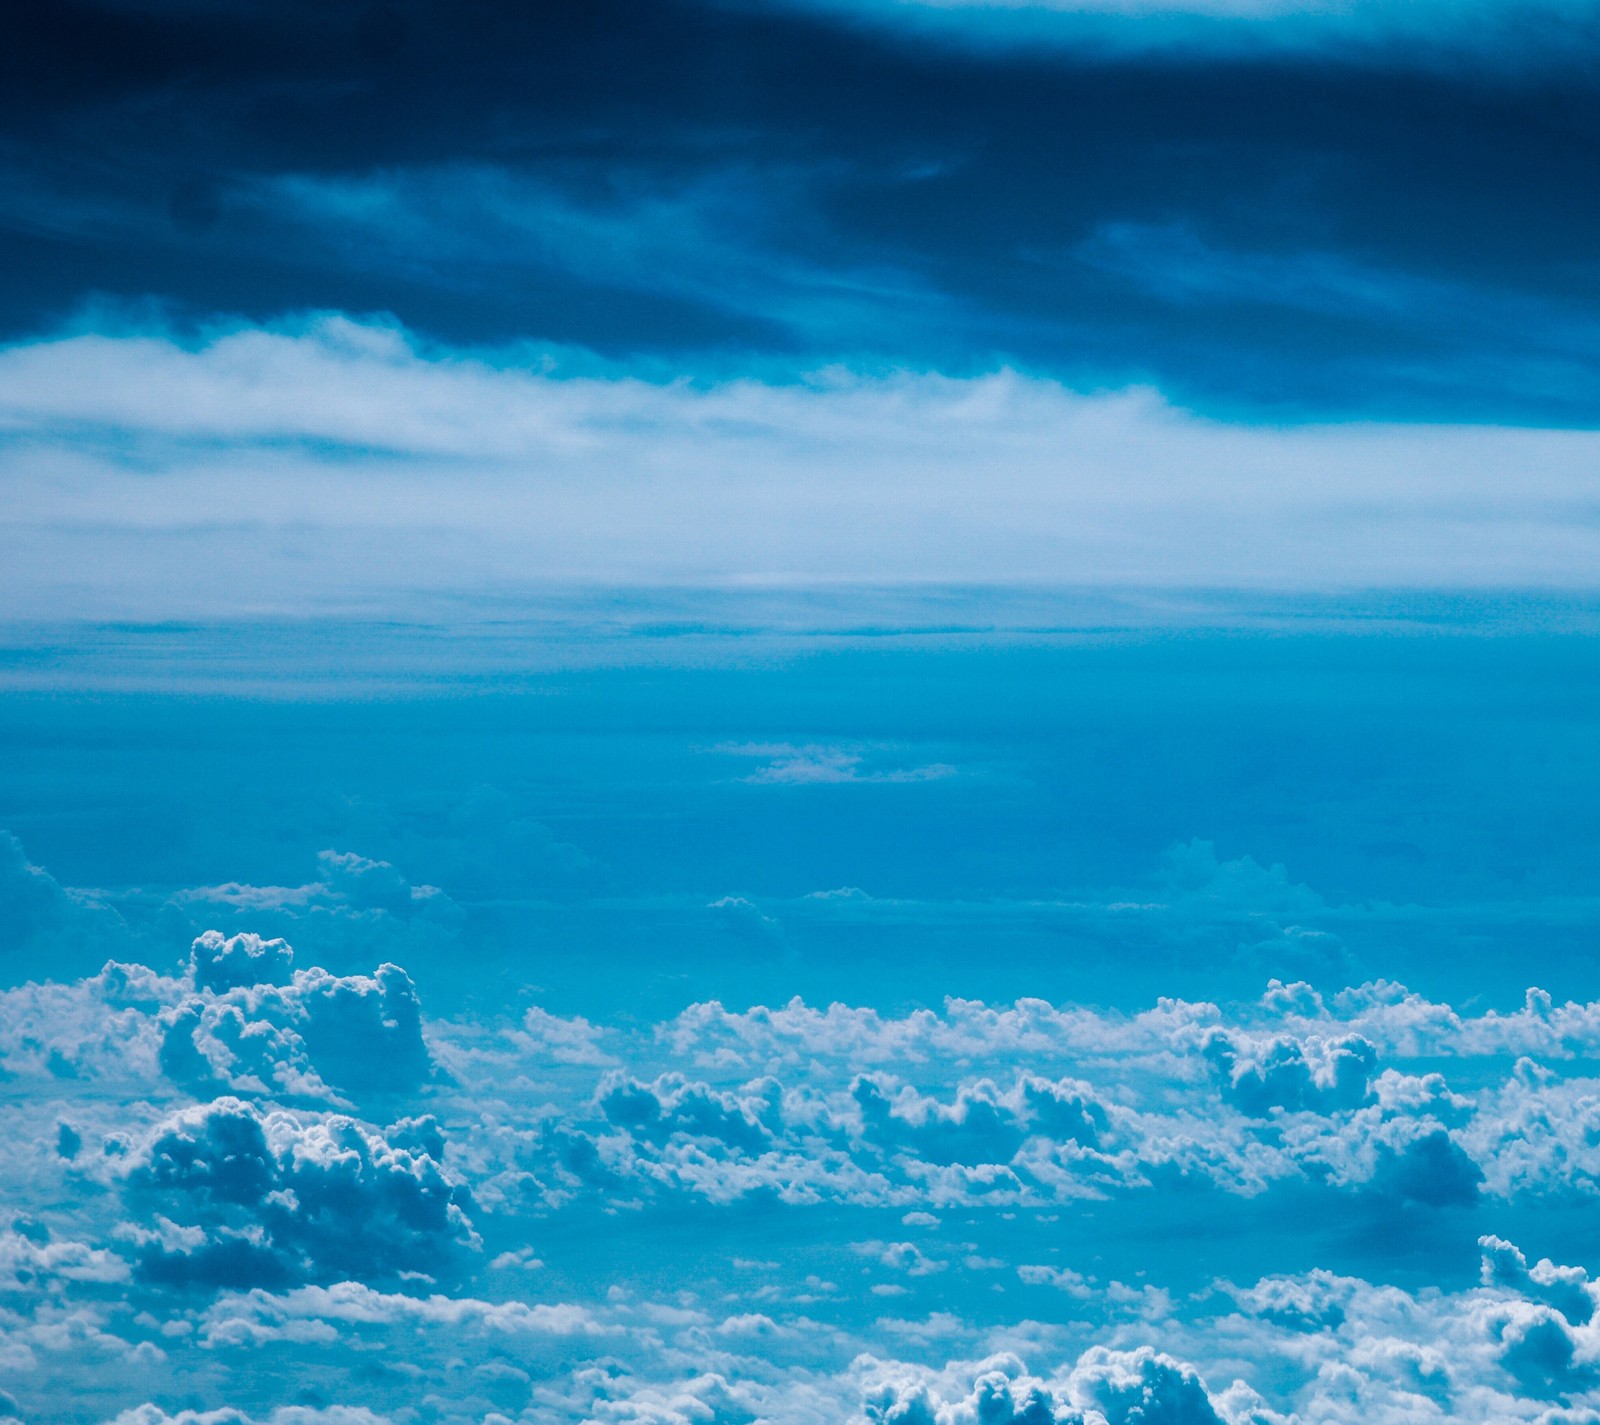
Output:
x=1567 y=1289
x=1433 y=34
x=42 y=921
x=259 y=1316
x=240 y=1020
x=347 y=884
x=350 y=435
x=983 y=1124
x=821 y=765
x=284 y=1415
x=1142 y=1387
x=716 y=239
x=1430 y=1169
x=673 y=1105
x=220 y=964
x=260 y=1221
x=255 y=1025
x=358 y=909
x=1362 y=1350
x=33 y=1259
x=1106 y=1387
x=1311 y=1075
x=744 y=918
x=278 y=1197
x=566 y=1041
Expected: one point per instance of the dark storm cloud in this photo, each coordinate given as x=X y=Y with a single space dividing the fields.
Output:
x=1315 y=227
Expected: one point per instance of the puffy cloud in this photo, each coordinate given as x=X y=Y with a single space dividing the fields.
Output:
x=1567 y=1289
x=983 y=1124
x=277 y=1196
x=742 y=917
x=568 y=1128
x=258 y=1316
x=105 y=1028
x=1001 y=1393
x=1353 y=1350
x=220 y=964
x=257 y=1026
x=1143 y=1387
x=346 y=882
x=1313 y=1302
x=1540 y=1348
x=1211 y=1095
x=241 y=1019
x=1105 y=1387
x=674 y=1105
x=1312 y=1075
x=565 y=1041
x=1308 y=1108
x=904 y=1257
x=355 y=910
x=32 y=1258
x=1395 y=1022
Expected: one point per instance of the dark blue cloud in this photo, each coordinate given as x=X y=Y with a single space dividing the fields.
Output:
x=1315 y=226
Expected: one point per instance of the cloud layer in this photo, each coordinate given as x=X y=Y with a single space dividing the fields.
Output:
x=135 y=460
x=241 y=1183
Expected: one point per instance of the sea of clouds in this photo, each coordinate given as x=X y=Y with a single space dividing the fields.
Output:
x=245 y=1188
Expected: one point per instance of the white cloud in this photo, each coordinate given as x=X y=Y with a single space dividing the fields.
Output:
x=336 y=463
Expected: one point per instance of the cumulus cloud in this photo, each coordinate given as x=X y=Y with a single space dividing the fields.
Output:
x=220 y=963
x=32 y=1257
x=1106 y=1387
x=203 y=1170
x=983 y=1124
x=1313 y=1074
x=354 y=911
x=1292 y=1091
x=275 y=1196
x=674 y=1105
x=1567 y=1289
x=240 y=1019
x=256 y=1025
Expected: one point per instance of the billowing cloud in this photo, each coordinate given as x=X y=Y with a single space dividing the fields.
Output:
x=281 y=1197
x=355 y=1032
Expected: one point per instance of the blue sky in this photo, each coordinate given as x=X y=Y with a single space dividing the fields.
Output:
x=845 y=712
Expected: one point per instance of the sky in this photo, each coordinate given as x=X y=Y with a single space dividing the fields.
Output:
x=830 y=712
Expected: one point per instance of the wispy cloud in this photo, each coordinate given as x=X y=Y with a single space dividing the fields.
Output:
x=1484 y=31
x=816 y=764
x=733 y=240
